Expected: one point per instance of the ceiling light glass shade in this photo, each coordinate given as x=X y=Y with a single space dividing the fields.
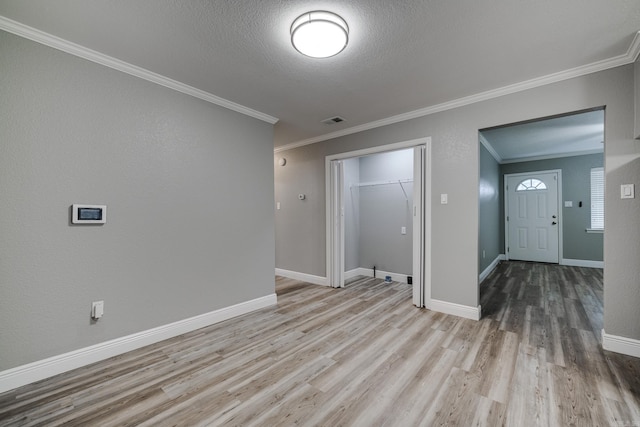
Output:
x=319 y=34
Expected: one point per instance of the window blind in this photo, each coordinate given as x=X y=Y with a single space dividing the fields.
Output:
x=597 y=199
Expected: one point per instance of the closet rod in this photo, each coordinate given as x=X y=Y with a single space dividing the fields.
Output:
x=374 y=183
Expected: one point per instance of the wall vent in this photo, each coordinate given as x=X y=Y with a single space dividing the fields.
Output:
x=333 y=120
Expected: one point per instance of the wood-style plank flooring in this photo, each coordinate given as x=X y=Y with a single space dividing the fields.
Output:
x=364 y=356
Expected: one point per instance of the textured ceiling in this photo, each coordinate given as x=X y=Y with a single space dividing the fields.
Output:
x=402 y=56
x=559 y=136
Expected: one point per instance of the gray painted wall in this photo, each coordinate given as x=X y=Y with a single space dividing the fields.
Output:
x=622 y=227
x=351 y=214
x=489 y=208
x=189 y=189
x=455 y=165
x=576 y=186
x=637 y=97
x=384 y=209
x=300 y=225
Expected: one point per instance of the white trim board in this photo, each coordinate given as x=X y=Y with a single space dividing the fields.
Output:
x=303 y=277
x=582 y=263
x=71 y=48
x=468 y=312
x=381 y=274
x=41 y=369
x=552 y=156
x=617 y=61
x=622 y=345
x=487 y=271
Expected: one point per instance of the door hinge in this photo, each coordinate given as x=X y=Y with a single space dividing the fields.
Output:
x=507 y=217
x=508 y=248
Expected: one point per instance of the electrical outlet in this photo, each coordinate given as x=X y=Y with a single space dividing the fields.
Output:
x=403 y=230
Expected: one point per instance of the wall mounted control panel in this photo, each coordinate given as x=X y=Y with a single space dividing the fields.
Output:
x=88 y=214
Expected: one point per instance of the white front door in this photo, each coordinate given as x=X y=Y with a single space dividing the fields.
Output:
x=532 y=217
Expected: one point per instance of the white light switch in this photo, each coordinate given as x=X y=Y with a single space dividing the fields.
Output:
x=403 y=230
x=568 y=204
x=444 y=199
x=627 y=191
x=97 y=309
x=278 y=205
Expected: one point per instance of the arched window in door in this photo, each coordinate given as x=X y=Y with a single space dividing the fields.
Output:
x=531 y=184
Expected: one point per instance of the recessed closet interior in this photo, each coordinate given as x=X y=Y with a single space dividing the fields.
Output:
x=378 y=203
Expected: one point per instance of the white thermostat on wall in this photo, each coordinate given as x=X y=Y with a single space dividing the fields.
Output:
x=88 y=214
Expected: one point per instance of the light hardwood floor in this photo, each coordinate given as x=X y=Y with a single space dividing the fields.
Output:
x=364 y=356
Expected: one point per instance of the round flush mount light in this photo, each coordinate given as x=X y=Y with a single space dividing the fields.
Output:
x=319 y=34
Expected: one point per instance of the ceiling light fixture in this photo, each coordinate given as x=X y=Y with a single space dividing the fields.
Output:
x=319 y=34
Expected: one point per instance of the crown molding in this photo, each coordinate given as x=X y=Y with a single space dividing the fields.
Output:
x=50 y=40
x=502 y=161
x=627 y=58
x=552 y=156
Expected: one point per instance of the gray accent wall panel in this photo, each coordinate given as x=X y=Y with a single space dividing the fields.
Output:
x=351 y=214
x=455 y=171
x=189 y=189
x=384 y=210
x=489 y=201
x=636 y=74
x=621 y=223
x=576 y=187
x=300 y=224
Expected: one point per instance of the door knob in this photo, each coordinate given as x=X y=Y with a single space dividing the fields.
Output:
x=553 y=216
x=553 y=223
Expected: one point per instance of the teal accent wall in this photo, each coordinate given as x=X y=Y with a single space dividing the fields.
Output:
x=489 y=200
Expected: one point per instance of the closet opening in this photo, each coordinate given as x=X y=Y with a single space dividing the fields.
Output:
x=378 y=216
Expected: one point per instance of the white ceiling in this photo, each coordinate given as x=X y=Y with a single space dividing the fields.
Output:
x=402 y=56
x=575 y=134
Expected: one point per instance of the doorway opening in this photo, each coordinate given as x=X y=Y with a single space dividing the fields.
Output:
x=402 y=215
x=541 y=193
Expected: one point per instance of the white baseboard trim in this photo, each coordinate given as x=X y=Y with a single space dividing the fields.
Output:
x=381 y=274
x=582 y=263
x=628 y=346
x=468 y=312
x=352 y=273
x=316 y=280
x=487 y=271
x=41 y=369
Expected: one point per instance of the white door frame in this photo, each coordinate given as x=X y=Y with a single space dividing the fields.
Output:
x=335 y=226
x=560 y=209
x=336 y=238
